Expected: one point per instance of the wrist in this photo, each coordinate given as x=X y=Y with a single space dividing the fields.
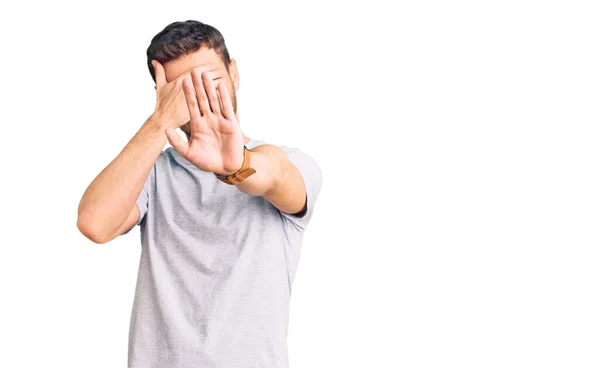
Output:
x=224 y=174
x=242 y=173
x=157 y=120
x=154 y=128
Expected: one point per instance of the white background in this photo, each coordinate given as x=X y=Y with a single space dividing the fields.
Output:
x=458 y=221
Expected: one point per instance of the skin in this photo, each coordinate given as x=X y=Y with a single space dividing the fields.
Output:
x=214 y=139
x=204 y=57
x=197 y=94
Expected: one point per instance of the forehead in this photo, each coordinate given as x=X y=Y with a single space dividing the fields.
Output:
x=204 y=55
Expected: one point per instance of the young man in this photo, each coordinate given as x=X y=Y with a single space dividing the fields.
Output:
x=221 y=216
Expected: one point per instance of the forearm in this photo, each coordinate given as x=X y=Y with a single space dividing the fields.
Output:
x=271 y=165
x=110 y=197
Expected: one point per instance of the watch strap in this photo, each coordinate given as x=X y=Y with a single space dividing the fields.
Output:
x=242 y=174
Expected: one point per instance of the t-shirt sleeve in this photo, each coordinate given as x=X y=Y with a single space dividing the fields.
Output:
x=144 y=198
x=312 y=176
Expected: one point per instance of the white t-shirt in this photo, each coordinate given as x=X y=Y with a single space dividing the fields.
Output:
x=216 y=269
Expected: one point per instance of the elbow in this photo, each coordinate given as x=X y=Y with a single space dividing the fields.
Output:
x=87 y=228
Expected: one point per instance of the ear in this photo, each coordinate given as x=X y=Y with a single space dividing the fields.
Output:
x=233 y=73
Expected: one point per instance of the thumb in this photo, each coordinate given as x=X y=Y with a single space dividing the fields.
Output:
x=177 y=142
x=159 y=73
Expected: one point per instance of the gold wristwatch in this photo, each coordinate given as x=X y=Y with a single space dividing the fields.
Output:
x=240 y=175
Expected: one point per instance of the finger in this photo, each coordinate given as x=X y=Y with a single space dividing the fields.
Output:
x=177 y=142
x=211 y=92
x=190 y=99
x=202 y=67
x=226 y=104
x=218 y=73
x=159 y=74
x=200 y=92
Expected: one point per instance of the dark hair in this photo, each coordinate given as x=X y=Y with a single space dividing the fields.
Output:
x=181 y=38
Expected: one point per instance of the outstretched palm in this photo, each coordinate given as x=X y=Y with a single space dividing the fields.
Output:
x=215 y=143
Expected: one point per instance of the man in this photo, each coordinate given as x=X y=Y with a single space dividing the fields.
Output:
x=221 y=216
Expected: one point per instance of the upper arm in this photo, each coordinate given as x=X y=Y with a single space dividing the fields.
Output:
x=140 y=208
x=304 y=185
x=290 y=195
x=132 y=220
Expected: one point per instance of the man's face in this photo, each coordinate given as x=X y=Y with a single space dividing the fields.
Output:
x=175 y=68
